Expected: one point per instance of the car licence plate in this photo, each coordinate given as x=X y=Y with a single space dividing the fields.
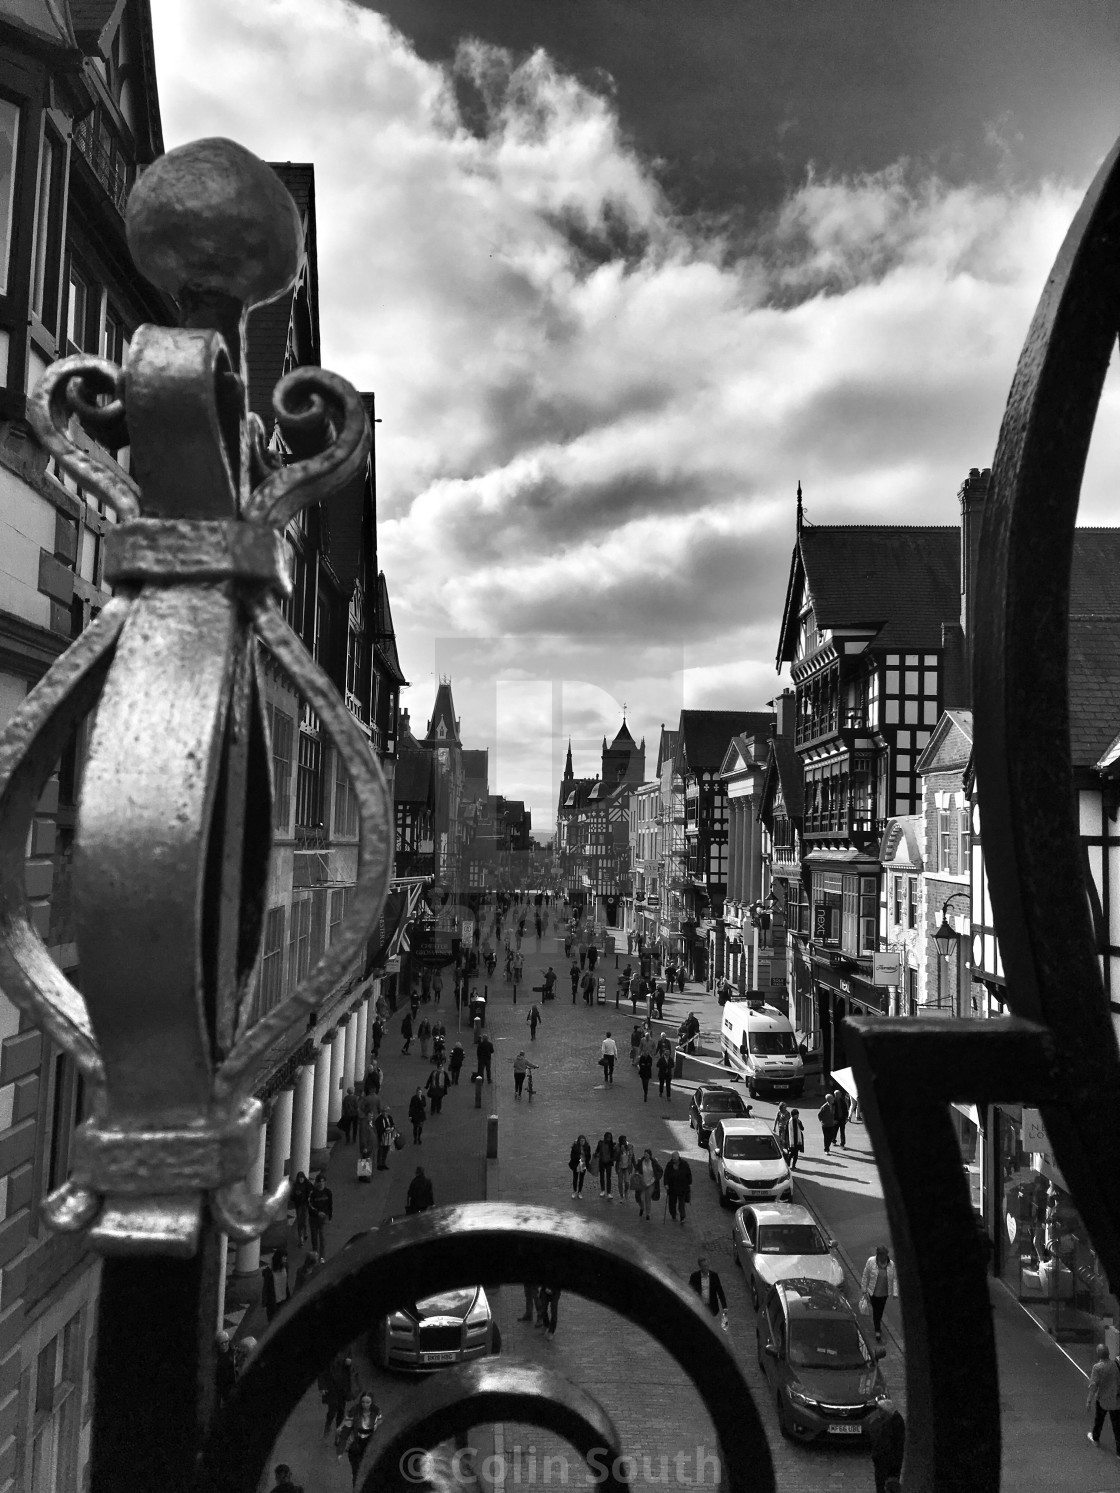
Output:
x=438 y=1357
x=844 y=1430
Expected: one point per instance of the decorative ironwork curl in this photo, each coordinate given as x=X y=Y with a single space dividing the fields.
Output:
x=71 y=387
x=312 y=407
x=459 y=1399
x=450 y=1247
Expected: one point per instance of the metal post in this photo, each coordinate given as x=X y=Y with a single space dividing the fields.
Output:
x=491 y=1133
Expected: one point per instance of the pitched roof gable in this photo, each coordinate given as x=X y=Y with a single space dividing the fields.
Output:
x=385 y=634
x=443 y=714
x=950 y=745
x=783 y=767
x=1094 y=687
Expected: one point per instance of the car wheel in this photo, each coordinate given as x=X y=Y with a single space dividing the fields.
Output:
x=751 y=1090
x=701 y=1140
x=496 y=1340
x=754 y=1294
x=783 y=1424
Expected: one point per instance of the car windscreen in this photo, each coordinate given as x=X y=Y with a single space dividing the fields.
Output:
x=750 y=1148
x=725 y=1103
x=827 y=1343
x=773 y=1044
x=791 y=1239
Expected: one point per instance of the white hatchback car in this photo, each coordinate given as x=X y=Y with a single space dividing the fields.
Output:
x=776 y=1241
x=747 y=1163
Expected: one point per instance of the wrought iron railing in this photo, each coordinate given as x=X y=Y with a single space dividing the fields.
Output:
x=171 y=856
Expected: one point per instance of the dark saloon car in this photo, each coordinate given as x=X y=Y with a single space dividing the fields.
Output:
x=820 y=1369
x=712 y=1102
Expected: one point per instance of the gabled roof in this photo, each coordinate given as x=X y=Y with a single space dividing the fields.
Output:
x=1095 y=573
x=443 y=714
x=385 y=637
x=743 y=752
x=1094 y=687
x=783 y=767
x=666 y=749
x=703 y=735
x=412 y=781
x=950 y=745
x=623 y=738
x=898 y=582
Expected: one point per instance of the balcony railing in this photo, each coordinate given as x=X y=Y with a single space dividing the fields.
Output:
x=818 y=723
x=110 y=168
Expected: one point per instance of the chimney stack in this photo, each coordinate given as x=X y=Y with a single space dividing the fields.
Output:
x=784 y=707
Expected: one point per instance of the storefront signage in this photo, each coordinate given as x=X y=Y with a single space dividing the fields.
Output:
x=845 y=987
x=1034 y=1132
x=432 y=945
x=886 y=968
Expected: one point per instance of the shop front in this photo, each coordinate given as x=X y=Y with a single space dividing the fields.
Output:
x=842 y=986
x=1042 y=1249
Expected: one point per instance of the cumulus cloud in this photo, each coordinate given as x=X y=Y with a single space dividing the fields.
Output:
x=595 y=413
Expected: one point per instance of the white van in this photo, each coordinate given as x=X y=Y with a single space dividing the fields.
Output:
x=760 y=1043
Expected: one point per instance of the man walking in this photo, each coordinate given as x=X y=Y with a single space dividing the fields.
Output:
x=665 y=1074
x=485 y=1053
x=645 y=1072
x=888 y=1440
x=534 y=1019
x=796 y=1138
x=842 y=1106
x=520 y=1068
x=827 y=1116
x=437 y=1085
x=609 y=1054
x=420 y=1196
x=1104 y=1396
x=678 y=1184
x=574 y=974
x=708 y=1286
x=592 y=956
x=582 y=950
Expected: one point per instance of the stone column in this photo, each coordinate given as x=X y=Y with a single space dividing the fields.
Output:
x=350 y=1052
x=280 y=1138
x=338 y=1058
x=249 y=1255
x=361 y=1020
x=301 y=1120
x=320 y=1107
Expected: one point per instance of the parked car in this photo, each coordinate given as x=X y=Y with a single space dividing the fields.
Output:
x=820 y=1368
x=712 y=1102
x=746 y=1162
x=451 y=1327
x=775 y=1241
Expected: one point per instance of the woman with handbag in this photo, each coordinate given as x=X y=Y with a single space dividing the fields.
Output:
x=356 y=1431
x=624 y=1166
x=578 y=1162
x=877 y=1283
x=647 y=1182
x=301 y=1191
x=385 y=1132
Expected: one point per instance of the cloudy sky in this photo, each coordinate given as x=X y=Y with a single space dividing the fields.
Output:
x=622 y=272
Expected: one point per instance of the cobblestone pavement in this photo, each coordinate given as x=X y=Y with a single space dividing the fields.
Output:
x=660 y=1418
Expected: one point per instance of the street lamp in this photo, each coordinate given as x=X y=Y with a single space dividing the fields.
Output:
x=947 y=937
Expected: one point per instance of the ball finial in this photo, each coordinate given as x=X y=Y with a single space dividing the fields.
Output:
x=212 y=218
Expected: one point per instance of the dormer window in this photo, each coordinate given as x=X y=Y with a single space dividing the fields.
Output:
x=441 y=731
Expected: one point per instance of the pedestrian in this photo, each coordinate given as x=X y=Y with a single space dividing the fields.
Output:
x=888 y=1441
x=647 y=1182
x=842 y=1106
x=781 y=1128
x=520 y=1068
x=549 y=983
x=530 y=1303
x=665 y=1074
x=588 y=988
x=376 y=1032
x=366 y=1137
x=417 y=1114
x=225 y=1367
x=567 y=945
x=436 y=1087
x=573 y=974
x=659 y=998
x=406 y=1032
x=420 y=1196
x=592 y=955
x=579 y=1160
x=338 y=1386
x=609 y=1055
x=274 y=1283
x=357 y=1432
x=624 y=1166
x=320 y=1211
x=458 y=1058
x=424 y=1034
x=708 y=1286
x=1104 y=1396
x=534 y=1019
x=645 y=1073
x=437 y=987
x=582 y=950
x=604 y=1160
x=518 y=967
x=285 y=1483
x=635 y=1043
x=548 y=1300
x=414 y=1004
x=485 y=1054
x=796 y=1138
x=301 y=1191
x=678 y=1185
x=878 y=1281
x=827 y=1116
x=680 y=982
x=374 y=1078
x=385 y=1129
x=348 y=1123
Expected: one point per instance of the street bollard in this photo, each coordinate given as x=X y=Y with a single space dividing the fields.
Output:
x=478 y=1091
x=491 y=1137
x=477 y=1025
